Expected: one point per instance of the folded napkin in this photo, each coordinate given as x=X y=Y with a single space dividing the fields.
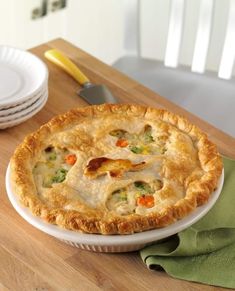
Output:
x=205 y=252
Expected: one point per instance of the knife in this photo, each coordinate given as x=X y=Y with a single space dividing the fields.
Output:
x=91 y=93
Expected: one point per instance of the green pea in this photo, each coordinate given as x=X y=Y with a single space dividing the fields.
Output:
x=136 y=150
x=60 y=176
x=143 y=187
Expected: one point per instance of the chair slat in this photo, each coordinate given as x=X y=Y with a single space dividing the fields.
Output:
x=174 y=33
x=132 y=27
x=228 y=54
x=203 y=36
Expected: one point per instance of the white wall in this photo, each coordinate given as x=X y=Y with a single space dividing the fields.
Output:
x=98 y=26
x=95 y=26
x=16 y=26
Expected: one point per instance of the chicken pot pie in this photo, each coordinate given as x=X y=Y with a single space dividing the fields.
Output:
x=115 y=169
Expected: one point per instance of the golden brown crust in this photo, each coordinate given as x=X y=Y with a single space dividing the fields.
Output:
x=201 y=182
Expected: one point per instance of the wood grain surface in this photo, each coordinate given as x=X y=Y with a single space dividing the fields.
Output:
x=32 y=260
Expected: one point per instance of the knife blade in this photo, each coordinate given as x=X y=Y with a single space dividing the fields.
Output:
x=91 y=93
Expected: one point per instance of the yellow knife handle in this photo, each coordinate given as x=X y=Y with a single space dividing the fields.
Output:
x=67 y=65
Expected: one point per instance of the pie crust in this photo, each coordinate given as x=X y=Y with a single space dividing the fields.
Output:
x=115 y=169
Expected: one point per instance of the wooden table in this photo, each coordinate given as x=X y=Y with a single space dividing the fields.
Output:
x=32 y=260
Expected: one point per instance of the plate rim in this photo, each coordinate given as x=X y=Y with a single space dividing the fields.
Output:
x=25 y=111
x=20 y=107
x=112 y=240
x=22 y=119
x=8 y=104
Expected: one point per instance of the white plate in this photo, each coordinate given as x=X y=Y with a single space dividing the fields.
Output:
x=25 y=111
x=21 y=119
x=22 y=74
x=11 y=110
x=111 y=243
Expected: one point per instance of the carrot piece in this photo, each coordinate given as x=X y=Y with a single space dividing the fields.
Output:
x=70 y=159
x=146 y=201
x=122 y=143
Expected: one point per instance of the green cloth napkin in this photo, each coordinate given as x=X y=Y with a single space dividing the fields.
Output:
x=205 y=252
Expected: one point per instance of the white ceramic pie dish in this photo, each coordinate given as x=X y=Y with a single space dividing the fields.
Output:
x=111 y=243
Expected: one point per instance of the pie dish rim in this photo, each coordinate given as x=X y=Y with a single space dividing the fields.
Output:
x=113 y=242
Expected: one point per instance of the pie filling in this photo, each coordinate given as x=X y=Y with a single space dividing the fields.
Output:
x=138 y=194
x=53 y=166
x=124 y=185
x=132 y=177
x=142 y=143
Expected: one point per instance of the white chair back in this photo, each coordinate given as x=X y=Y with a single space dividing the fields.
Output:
x=173 y=45
x=137 y=24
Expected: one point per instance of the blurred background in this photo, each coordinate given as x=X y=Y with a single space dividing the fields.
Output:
x=110 y=29
x=182 y=49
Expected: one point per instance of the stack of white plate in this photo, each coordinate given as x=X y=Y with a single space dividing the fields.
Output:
x=23 y=86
